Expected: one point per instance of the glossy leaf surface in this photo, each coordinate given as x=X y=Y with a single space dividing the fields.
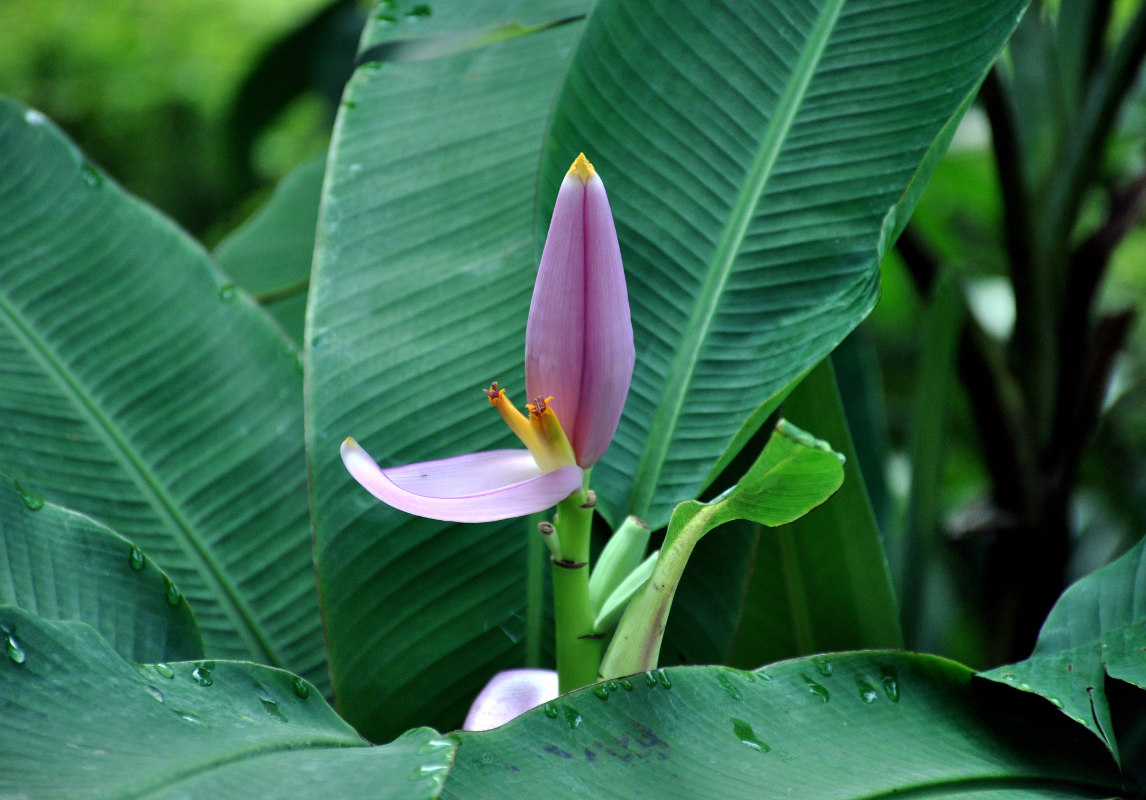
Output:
x=1096 y=629
x=62 y=565
x=758 y=160
x=270 y=255
x=821 y=582
x=80 y=722
x=139 y=387
x=848 y=726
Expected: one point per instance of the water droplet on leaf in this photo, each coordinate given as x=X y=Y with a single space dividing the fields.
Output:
x=91 y=175
x=137 y=559
x=867 y=692
x=550 y=709
x=823 y=666
x=15 y=652
x=890 y=683
x=158 y=695
x=32 y=501
x=728 y=687
x=173 y=594
x=164 y=670
x=815 y=689
x=272 y=708
x=747 y=736
x=202 y=674
x=300 y=688
x=601 y=691
x=228 y=291
x=626 y=684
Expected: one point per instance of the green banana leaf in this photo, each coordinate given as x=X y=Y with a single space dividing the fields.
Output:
x=759 y=161
x=855 y=725
x=793 y=474
x=137 y=386
x=270 y=255
x=62 y=565
x=1096 y=629
x=821 y=582
x=80 y=722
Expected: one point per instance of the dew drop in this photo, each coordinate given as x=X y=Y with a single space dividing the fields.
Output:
x=815 y=689
x=572 y=718
x=137 y=559
x=300 y=688
x=1055 y=702
x=550 y=709
x=601 y=690
x=747 y=736
x=202 y=675
x=728 y=687
x=34 y=117
x=432 y=745
x=663 y=678
x=420 y=10
x=626 y=684
x=764 y=676
x=164 y=670
x=227 y=291
x=867 y=692
x=173 y=594
x=15 y=652
x=189 y=717
x=272 y=708
x=890 y=683
x=650 y=679
x=91 y=175
x=33 y=501
x=823 y=666
x=158 y=695
x=385 y=17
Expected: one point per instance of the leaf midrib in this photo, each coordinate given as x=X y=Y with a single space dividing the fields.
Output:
x=665 y=422
x=160 y=786
x=165 y=506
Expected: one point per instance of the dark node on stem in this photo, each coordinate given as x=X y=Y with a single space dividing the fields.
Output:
x=591 y=499
x=545 y=528
x=566 y=563
x=592 y=636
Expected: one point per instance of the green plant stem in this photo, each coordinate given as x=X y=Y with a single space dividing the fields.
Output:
x=579 y=649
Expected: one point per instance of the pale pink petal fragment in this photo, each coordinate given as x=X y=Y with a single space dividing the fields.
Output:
x=510 y=694
x=478 y=487
x=609 y=353
x=554 y=342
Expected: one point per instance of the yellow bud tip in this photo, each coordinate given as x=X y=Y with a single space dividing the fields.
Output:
x=582 y=169
x=350 y=442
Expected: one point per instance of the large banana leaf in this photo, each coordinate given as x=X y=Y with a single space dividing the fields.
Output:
x=270 y=254
x=857 y=726
x=759 y=159
x=424 y=258
x=59 y=564
x=140 y=388
x=80 y=723
x=821 y=582
x=1097 y=628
